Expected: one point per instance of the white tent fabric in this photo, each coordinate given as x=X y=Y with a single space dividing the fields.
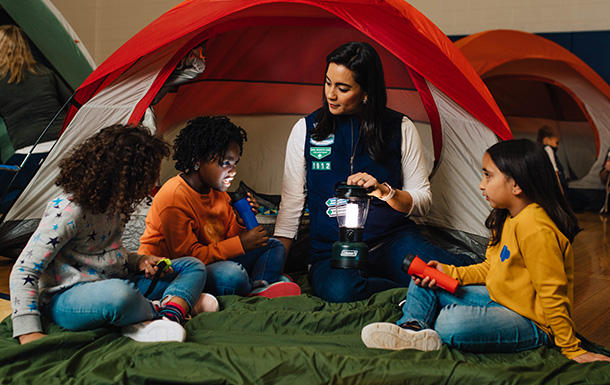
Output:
x=457 y=202
x=113 y=105
x=140 y=72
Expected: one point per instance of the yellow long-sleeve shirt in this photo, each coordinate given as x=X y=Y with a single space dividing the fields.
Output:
x=181 y=222
x=531 y=271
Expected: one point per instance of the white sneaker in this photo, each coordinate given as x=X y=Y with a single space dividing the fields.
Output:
x=205 y=304
x=384 y=335
x=159 y=330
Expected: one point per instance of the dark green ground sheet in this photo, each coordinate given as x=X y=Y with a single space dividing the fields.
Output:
x=291 y=340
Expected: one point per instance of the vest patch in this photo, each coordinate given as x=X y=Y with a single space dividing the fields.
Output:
x=505 y=254
x=331 y=204
x=320 y=152
x=325 y=142
x=320 y=166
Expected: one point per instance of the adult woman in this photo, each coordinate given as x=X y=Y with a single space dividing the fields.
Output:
x=30 y=96
x=354 y=137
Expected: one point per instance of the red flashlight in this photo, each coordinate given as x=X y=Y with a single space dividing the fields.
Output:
x=413 y=265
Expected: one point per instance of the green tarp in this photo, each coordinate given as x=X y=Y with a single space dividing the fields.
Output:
x=291 y=340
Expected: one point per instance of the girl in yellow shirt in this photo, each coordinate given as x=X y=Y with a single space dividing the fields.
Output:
x=521 y=296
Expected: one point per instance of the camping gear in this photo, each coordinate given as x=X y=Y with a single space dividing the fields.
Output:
x=351 y=207
x=162 y=266
x=265 y=68
x=241 y=204
x=289 y=340
x=413 y=265
x=537 y=82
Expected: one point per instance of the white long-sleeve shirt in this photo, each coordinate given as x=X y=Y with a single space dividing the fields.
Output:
x=414 y=177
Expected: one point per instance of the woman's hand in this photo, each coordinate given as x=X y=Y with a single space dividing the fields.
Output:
x=148 y=265
x=426 y=281
x=25 y=338
x=253 y=239
x=368 y=181
x=590 y=357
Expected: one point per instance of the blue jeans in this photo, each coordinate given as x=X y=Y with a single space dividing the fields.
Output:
x=384 y=271
x=469 y=320
x=235 y=276
x=120 y=302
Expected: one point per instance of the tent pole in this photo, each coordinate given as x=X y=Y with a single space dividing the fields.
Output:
x=27 y=157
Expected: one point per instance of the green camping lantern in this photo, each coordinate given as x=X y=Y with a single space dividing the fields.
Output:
x=351 y=208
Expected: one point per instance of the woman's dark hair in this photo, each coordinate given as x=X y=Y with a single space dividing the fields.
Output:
x=529 y=166
x=112 y=171
x=205 y=138
x=364 y=62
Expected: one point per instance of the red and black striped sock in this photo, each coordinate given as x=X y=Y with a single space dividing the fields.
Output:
x=173 y=312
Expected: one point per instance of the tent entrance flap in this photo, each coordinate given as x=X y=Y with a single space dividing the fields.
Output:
x=267 y=57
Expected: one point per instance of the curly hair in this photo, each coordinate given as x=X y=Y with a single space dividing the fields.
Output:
x=112 y=171
x=205 y=138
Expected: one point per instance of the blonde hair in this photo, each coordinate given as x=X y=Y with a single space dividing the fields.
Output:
x=15 y=55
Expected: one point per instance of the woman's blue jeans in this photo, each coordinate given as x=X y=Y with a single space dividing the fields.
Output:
x=384 y=272
x=120 y=302
x=469 y=320
x=235 y=276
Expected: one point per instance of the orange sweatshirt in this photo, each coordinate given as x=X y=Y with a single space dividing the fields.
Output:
x=181 y=222
x=531 y=271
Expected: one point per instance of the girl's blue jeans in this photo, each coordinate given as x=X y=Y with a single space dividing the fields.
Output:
x=236 y=276
x=120 y=302
x=469 y=320
x=384 y=272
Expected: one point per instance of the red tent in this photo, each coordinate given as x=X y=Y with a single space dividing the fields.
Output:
x=537 y=82
x=267 y=58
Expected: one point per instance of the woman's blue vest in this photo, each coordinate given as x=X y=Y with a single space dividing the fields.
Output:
x=328 y=162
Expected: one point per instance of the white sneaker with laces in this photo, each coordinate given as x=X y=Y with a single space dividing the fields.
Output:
x=205 y=304
x=384 y=335
x=159 y=330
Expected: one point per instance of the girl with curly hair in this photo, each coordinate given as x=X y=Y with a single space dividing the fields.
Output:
x=74 y=269
x=192 y=215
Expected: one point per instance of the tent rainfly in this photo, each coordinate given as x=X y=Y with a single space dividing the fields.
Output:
x=537 y=82
x=265 y=59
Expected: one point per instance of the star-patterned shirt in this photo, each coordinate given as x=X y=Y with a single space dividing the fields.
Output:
x=69 y=246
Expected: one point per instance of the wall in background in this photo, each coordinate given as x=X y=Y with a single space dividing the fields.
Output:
x=105 y=25
x=465 y=17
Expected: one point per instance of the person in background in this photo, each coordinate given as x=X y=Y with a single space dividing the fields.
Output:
x=192 y=215
x=521 y=296
x=355 y=138
x=604 y=177
x=548 y=137
x=75 y=270
x=30 y=96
